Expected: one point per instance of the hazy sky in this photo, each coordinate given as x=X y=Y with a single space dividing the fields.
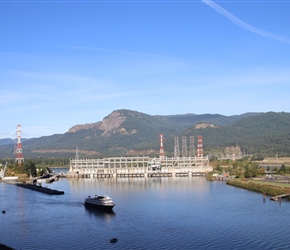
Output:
x=64 y=63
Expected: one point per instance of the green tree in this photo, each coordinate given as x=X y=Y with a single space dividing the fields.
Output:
x=30 y=168
x=247 y=173
x=218 y=168
x=283 y=169
x=251 y=170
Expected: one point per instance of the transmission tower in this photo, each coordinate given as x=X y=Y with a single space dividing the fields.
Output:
x=161 y=147
x=184 y=146
x=19 y=152
x=77 y=152
x=191 y=146
x=176 y=147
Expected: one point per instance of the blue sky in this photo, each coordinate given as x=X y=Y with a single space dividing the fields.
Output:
x=64 y=63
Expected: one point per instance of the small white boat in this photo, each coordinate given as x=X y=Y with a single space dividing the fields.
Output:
x=103 y=202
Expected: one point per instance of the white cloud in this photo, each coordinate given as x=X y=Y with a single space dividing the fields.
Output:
x=243 y=24
x=118 y=51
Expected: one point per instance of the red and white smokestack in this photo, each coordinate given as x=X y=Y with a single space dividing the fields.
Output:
x=199 y=146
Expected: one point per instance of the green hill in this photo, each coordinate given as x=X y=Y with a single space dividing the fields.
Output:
x=266 y=134
x=127 y=132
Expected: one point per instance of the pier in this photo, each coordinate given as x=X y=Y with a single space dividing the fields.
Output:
x=279 y=197
x=119 y=167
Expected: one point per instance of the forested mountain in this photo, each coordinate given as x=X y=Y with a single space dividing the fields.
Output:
x=188 y=120
x=266 y=134
x=126 y=132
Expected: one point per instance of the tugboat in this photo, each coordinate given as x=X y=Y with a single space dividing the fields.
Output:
x=102 y=202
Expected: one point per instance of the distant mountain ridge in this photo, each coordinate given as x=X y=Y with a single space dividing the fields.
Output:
x=127 y=132
x=217 y=119
x=9 y=141
x=6 y=141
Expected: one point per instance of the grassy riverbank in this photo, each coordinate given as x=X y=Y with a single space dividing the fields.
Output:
x=268 y=188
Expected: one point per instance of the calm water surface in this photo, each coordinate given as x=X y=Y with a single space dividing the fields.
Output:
x=153 y=213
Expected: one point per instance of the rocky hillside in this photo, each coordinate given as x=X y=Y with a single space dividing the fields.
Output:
x=126 y=132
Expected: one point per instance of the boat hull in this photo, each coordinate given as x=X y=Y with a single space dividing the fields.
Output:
x=100 y=207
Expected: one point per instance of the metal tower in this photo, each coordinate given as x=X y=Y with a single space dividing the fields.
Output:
x=161 y=147
x=191 y=146
x=233 y=155
x=184 y=146
x=176 y=147
x=77 y=152
x=199 y=146
x=19 y=153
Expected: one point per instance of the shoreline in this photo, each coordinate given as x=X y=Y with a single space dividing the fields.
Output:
x=266 y=188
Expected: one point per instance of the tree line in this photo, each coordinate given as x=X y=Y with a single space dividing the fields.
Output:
x=34 y=167
x=244 y=168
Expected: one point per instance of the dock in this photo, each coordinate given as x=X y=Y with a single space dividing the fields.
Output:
x=279 y=197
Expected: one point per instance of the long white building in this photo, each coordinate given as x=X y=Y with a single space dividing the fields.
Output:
x=138 y=166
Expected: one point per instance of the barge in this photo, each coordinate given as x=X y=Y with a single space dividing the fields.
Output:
x=40 y=188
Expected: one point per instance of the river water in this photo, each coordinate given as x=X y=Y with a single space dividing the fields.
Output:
x=151 y=213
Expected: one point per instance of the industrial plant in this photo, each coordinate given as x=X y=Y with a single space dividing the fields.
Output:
x=190 y=163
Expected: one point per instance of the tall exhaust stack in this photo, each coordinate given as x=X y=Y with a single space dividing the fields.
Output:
x=199 y=146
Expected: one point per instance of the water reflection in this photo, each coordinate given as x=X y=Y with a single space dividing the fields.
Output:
x=106 y=215
x=137 y=183
x=151 y=213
